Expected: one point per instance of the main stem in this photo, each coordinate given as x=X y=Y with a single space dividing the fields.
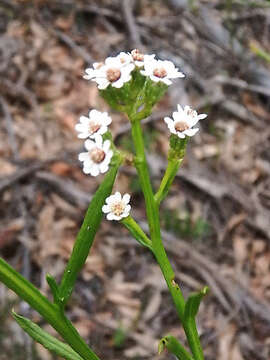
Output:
x=152 y=211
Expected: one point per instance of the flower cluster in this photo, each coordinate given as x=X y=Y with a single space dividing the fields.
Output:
x=116 y=71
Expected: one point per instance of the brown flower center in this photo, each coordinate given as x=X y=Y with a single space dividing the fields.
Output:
x=136 y=55
x=93 y=128
x=118 y=208
x=97 y=155
x=160 y=72
x=181 y=126
x=113 y=74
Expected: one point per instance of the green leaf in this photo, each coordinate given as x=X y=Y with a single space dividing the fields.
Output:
x=54 y=287
x=87 y=233
x=193 y=303
x=173 y=345
x=137 y=232
x=45 y=339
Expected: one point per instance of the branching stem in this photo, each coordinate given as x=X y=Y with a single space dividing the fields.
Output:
x=152 y=211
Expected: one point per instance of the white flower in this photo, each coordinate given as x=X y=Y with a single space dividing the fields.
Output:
x=183 y=121
x=117 y=207
x=96 y=124
x=140 y=58
x=124 y=58
x=98 y=156
x=159 y=70
x=116 y=71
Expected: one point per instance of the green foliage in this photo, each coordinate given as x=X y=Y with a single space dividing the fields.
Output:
x=86 y=235
x=193 y=303
x=173 y=346
x=45 y=339
x=119 y=337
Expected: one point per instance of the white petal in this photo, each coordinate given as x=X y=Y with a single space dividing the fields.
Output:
x=154 y=78
x=180 y=135
x=104 y=167
x=107 y=120
x=126 y=198
x=98 y=140
x=93 y=114
x=110 y=216
x=80 y=127
x=177 y=116
x=115 y=217
x=172 y=128
x=106 y=145
x=89 y=144
x=144 y=73
x=106 y=209
x=127 y=209
x=102 y=83
x=109 y=199
x=180 y=109
x=202 y=116
x=191 y=132
x=83 y=135
x=117 y=196
x=168 y=120
x=83 y=156
x=192 y=120
x=166 y=81
x=124 y=215
x=118 y=84
x=109 y=155
x=103 y=129
x=86 y=170
x=94 y=171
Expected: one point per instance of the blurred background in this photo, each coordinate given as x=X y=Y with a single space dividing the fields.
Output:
x=216 y=217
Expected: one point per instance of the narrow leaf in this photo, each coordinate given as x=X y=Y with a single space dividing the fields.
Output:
x=137 y=231
x=173 y=346
x=45 y=339
x=193 y=303
x=87 y=233
x=54 y=287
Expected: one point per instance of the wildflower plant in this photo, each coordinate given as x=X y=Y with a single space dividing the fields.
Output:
x=131 y=83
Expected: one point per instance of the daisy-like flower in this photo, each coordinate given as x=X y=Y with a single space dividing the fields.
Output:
x=117 y=207
x=124 y=58
x=183 y=121
x=159 y=70
x=140 y=58
x=96 y=124
x=98 y=156
x=116 y=71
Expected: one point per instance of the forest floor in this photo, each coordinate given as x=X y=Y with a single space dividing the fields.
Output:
x=216 y=219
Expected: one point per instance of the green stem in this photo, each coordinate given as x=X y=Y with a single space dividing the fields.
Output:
x=154 y=227
x=166 y=182
x=193 y=338
x=50 y=312
x=153 y=218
